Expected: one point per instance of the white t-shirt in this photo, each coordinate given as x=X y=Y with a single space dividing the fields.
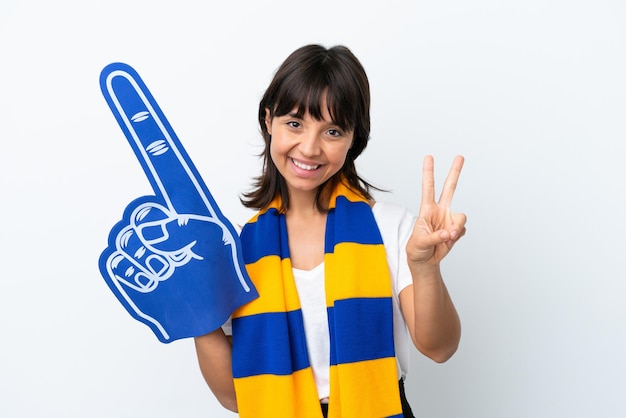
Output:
x=395 y=224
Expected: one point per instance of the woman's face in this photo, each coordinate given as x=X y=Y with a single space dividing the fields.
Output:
x=306 y=151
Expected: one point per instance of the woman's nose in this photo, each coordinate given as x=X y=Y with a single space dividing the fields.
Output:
x=310 y=144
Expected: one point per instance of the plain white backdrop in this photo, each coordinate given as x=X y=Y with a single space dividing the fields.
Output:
x=531 y=92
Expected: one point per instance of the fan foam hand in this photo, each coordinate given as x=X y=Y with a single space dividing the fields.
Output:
x=174 y=261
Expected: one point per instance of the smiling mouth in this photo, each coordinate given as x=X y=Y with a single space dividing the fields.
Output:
x=305 y=166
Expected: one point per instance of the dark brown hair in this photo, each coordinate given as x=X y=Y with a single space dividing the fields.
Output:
x=300 y=82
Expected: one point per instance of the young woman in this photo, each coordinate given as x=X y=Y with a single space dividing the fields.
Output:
x=345 y=283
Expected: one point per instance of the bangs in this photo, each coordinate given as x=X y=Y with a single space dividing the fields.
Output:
x=306 y=96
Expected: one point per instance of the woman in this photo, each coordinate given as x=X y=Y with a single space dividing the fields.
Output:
x=345 y=283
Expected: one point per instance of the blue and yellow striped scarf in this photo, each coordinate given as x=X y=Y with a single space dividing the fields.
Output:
x=273 y=378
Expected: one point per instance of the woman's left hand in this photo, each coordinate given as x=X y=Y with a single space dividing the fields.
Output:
x=437 y=228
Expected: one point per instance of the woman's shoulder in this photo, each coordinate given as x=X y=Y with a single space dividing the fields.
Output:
x=384 y=210
x=393 y=217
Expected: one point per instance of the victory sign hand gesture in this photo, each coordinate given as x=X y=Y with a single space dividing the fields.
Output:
x=437 y=228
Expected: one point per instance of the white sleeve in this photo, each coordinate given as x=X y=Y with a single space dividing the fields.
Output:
x=395 y=224
x=228 y=327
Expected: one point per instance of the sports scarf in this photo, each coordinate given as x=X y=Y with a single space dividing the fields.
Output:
x=273 y=377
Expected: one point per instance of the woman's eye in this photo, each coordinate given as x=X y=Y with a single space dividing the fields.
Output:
x=293 y=124
x=334 y=132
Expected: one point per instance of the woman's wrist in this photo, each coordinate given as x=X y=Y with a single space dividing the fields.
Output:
x=425 y=272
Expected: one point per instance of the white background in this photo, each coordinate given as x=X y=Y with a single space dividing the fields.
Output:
x=532 y=92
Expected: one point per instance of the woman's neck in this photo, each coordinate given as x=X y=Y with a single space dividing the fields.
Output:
x=304 y=203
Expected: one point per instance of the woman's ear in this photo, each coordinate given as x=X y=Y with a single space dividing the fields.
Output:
x=268 y=121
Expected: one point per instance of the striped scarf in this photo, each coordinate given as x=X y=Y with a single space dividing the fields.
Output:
x=273 y=377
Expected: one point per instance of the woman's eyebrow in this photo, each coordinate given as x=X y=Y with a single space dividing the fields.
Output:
x=294 y=114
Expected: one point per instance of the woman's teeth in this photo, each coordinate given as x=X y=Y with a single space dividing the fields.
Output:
x=304 y=166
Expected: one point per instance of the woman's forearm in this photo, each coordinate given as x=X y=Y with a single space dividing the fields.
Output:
x=214 y=352
x=436 y=328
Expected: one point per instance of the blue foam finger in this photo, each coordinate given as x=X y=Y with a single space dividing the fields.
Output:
x=201 y=277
